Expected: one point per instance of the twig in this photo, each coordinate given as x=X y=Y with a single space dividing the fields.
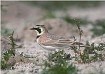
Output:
x=80 y=34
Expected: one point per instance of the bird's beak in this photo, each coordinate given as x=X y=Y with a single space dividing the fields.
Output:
x=33 y=28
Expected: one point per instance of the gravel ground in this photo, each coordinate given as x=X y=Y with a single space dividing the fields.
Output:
x=20 y=17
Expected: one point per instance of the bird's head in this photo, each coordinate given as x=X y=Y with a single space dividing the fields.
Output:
x=40 y=29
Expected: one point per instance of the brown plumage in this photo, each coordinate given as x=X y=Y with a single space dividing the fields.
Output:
x=51 y=41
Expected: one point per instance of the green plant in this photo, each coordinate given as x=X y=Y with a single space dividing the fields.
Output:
x=55 y=5
x=5 y=31
x=99 y=27
x=49 y=15
x=5 y=58
x=75 y=21
x=7 y=54
x=57 y=64
x=12 y=41
x=94 y=51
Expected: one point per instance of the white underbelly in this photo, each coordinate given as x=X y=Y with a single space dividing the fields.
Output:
x=49 y=47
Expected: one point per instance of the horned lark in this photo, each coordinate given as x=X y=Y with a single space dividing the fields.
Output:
x=51 y=41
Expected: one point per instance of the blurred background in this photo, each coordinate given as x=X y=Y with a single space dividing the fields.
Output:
x=60 y=17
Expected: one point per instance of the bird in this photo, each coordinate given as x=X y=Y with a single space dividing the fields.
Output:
x=51 y=41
